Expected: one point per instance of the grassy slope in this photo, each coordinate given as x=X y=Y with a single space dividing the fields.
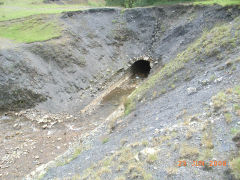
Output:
x=31 y=29
x=224 y=37
x=40 y=30
x=12 y=9
x=34 y=28
x=141 y=3
x=220 y=2
x=205 y=2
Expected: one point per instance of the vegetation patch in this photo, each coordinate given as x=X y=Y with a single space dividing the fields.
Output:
x=105 y=140
x=151 y=158
x=13 y=9
x=74 y=155
x=188 y=152
x=235 y=166
x=141 y=3
x=171 y=171
x=237 y=90
x=228 y=117
x=207 y=140
x=123 y=161
x=219 y=100
x=30 y=30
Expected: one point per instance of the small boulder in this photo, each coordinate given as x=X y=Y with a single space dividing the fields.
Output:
x=191 y=90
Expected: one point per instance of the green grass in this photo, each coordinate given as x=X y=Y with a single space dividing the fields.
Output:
x=105 y=140
x=34 y=22
x=196 y=2
x=237 y=90
x=220 y=2
x=30 y=30
x=75 y=154
x=142 y=3
x=235 y=166
x=234 y=131
x=212 y=42
x=228 y=117
x=12 y=9
x=151 y=158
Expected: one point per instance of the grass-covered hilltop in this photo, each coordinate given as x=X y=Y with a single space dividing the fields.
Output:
x=39 y=24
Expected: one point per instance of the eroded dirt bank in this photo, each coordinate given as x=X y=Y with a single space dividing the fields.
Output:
x=46 y=86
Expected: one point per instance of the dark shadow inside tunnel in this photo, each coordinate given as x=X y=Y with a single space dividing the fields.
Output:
x=140 y=68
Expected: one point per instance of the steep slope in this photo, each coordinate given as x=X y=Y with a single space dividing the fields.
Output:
x=58 y=86
x=183 y=112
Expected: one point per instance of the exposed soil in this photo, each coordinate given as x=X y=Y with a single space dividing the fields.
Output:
x=69 y=93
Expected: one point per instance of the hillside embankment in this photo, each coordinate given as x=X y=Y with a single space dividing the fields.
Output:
x=125 y=93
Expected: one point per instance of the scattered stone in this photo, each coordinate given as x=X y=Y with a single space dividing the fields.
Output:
x=44 y=126
x=204 y=82
x=191 y=90
x=148 y=151
x=218 y=80
x=36 y=157
x=17 y=126
x=136 y=157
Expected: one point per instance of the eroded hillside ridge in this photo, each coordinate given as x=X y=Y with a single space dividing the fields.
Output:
x=96 y=46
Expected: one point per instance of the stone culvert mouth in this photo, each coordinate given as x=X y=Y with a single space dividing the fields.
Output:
x=140 y=68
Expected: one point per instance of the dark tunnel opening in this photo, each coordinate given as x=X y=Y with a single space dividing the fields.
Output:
x=140 y=68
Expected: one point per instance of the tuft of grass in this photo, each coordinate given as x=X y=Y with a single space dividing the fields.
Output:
x=205 y=155
x=107 y=162
x=103 y=170
x=235 y=166
x=188 y=152
x=126 y=155
x=151 y=158
x=219 y=100
x=120 y=178
x=236 y=107
x=145 y=143
x=211 y=43
x=75 y=154
x=220 y=2
x=135 y=170
x=228 y=117
x=235 y=130
x=105 y=140
x=189 y=134
x=207 y=140
x=237 y=90
x=31 y=29
x=171 y=171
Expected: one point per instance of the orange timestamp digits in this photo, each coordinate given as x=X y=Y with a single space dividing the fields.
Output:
x=203 y=163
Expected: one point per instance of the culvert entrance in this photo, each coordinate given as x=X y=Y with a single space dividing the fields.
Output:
x=140 y=68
